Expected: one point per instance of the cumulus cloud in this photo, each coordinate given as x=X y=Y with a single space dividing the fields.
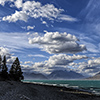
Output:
x=55 y=42
x=2 y=2
x=35 y=10
x=91 y=67
x=18 y=15
x=18 y=3
x=60 y=61
x=4 y=51
x=63 y=59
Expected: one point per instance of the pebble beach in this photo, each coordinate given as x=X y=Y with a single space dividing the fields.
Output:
x=11 y=90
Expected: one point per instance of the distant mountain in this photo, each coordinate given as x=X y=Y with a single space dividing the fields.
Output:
x=60 y=74
x=34 y=76
x=95 y=77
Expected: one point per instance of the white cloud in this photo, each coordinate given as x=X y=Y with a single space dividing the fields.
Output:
x=35 y=10
x=2 y=2
x=10 y=60
x=32 y=9
x=9 y=57
x=18 y=15
x=60 y=61
x=38 y=55
x=67 y=18
x=91 y=67
x=91 y=47
x=28 y=62
x=15 y=42
x=44 y=22
x=4 y=51
x=30 y=27
x=28 y=33
x=18 y=3
x=39 y=64
x=55 y=42
x=63 y=59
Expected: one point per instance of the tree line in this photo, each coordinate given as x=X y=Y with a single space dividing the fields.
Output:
x=15 y=73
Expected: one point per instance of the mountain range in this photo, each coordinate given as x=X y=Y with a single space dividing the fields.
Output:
x=34 y=76
x=58 y=74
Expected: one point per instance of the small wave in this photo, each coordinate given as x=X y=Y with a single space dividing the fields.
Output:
x=65 y=85
x=75 y=87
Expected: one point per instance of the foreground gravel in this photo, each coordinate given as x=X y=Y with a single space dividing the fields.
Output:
x=10 y=90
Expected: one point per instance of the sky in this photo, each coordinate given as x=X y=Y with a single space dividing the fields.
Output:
x=49 y=35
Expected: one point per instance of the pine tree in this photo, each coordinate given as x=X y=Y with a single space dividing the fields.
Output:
x=4 y=69
x=0 y=63
x=15 y=71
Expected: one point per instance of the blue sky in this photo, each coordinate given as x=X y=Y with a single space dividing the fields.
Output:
x=51 y=35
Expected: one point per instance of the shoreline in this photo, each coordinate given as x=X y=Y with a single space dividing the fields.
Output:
x=12 y=90
x=64 y=88
x=90 y=89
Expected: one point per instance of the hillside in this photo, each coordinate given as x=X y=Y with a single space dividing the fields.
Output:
x=58 y=74
x=63 y=74
x=34 y=76
x=95 y=77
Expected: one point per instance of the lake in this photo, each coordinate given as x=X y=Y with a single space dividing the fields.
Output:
x=88 y=85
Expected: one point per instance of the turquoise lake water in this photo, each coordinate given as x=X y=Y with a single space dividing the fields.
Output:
x=90 y=85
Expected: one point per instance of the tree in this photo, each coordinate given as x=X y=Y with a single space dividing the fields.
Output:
x=4 y=68
x=15 y=71
x=0 y=63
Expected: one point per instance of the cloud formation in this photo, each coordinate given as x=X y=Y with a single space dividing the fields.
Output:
x=38 y=55
x=18 y=15
x=2 y=2
x=15 y=42
x=4 y=51
x=18 y=3
x=9 y=57
x=91 y=67
x=67 y=18
x=28 y=62
x=35 y=10
x=56 y=62
x=30 y=27
x=55 y=42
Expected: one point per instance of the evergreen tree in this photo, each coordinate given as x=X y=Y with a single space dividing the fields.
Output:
x=15 y=71
x=4 y=68
x=0 y=63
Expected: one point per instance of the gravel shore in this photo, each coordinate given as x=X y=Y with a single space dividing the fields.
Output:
x=11 y=90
